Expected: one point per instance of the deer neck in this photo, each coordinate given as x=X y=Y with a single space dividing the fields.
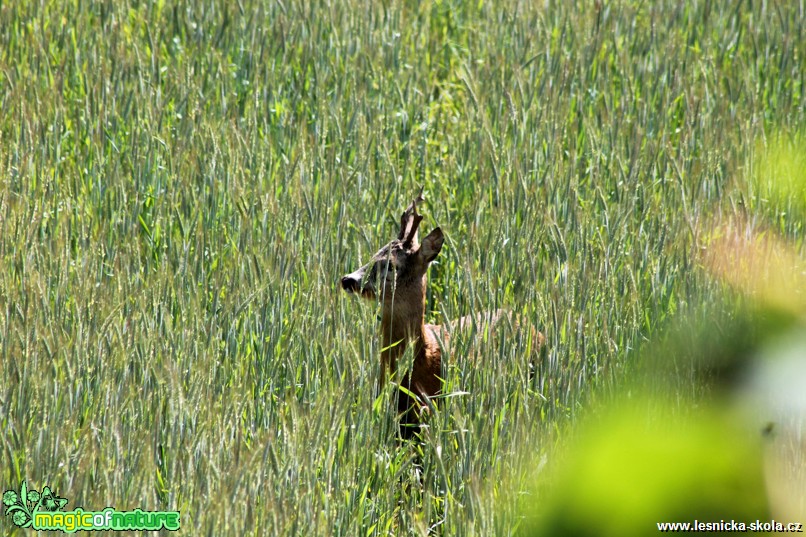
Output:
x=403 y=324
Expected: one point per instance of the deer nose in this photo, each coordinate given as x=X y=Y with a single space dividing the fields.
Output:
x=350 y=283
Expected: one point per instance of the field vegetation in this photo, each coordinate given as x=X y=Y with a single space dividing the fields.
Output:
x=183 y=184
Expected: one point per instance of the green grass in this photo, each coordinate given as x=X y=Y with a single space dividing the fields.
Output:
x=183 y=185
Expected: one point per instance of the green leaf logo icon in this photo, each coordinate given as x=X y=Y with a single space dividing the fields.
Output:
x=22 y=506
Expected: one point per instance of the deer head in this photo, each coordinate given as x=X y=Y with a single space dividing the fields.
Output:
x=398 y=269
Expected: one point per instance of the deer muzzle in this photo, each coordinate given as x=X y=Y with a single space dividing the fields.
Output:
x=350 y=283
x=355 y=282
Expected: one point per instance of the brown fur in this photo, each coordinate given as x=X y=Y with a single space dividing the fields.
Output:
x=397 y=274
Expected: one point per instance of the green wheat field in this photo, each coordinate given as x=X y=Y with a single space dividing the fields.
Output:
x=182 y=184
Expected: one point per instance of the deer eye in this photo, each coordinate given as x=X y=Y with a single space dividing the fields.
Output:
x=390 y=272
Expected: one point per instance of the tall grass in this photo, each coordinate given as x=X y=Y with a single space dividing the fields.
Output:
x=182 y=186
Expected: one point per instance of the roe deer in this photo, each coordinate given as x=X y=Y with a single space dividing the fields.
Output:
x=397 y=274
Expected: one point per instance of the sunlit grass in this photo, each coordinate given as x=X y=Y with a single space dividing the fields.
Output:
x=182 y=187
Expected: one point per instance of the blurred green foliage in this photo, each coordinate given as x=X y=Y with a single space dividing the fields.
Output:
x=635 y=465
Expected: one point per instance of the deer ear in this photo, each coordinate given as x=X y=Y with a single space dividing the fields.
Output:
x=432 y=244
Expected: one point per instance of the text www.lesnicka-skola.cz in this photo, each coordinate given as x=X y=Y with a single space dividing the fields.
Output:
x=732 y=525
